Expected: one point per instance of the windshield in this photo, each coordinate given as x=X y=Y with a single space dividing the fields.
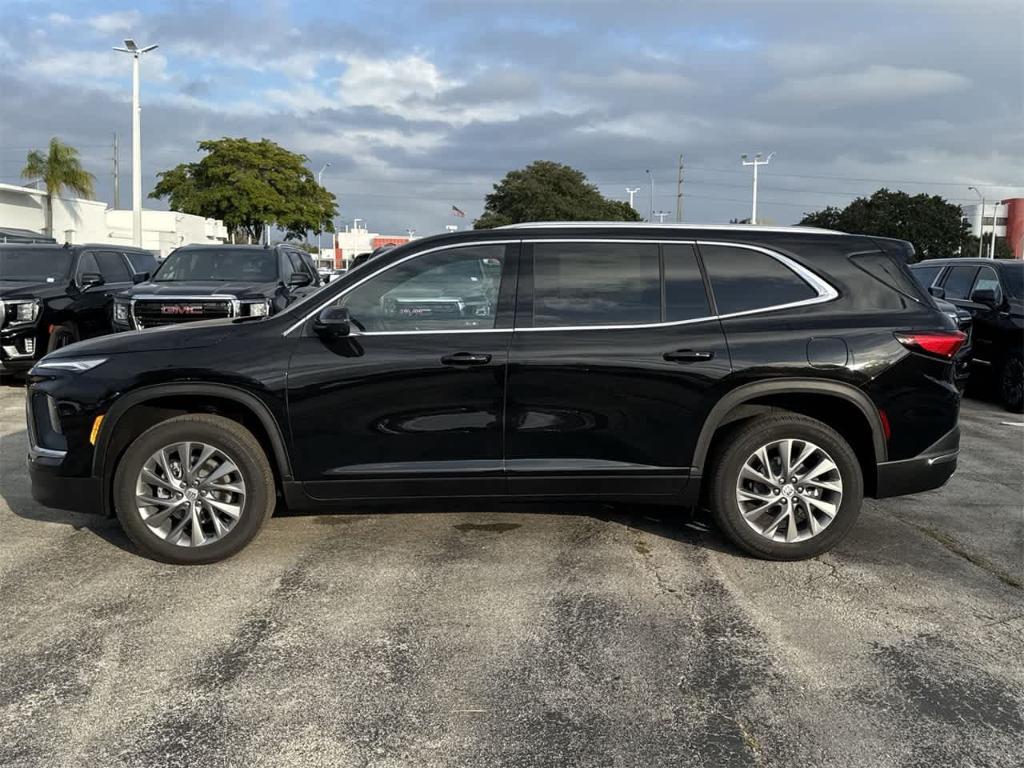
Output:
x=36 y=265
x=1013 y=279
x=252 y=265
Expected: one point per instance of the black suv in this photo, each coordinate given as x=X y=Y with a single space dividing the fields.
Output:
x=52 y=295
x=993 y=293
x=775 y=376
x=204 y=282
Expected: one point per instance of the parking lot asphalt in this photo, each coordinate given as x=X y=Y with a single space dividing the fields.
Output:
x=505 y=635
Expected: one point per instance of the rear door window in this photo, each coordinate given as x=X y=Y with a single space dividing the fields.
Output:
x=586 y=284
x=959 y=280
x=744 y=280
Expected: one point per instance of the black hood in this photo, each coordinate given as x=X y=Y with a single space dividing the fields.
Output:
x=23 y=289
x=238 y=289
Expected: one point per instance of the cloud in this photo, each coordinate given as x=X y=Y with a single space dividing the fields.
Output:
x=120 y=21
x=876 y=84
x=630 y=81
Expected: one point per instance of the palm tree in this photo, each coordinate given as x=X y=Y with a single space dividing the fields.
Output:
x=59 y=169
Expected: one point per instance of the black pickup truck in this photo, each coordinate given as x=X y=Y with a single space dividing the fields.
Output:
x=55 y=295
x=206 y=282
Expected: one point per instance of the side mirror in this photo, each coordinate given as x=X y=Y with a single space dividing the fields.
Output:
x=299 y=279
x=938 y=293
x=91 y=279
x=333 y=323
x=984 y=296
x=140 y=277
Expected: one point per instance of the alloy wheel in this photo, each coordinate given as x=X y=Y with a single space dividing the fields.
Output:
x=190 y=494
x=789 y=490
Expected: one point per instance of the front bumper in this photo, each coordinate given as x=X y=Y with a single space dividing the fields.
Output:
x=53 y=489
x=925 y=472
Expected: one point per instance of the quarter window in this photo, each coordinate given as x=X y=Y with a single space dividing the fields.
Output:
x=580 y=284
x=454 y=289
x=959 y=281
x=925 y=276
x=743 y=279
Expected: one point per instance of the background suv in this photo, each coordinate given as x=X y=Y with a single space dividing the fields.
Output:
x=53 y=295
x=774 y=375
x=992 y=293
x=205 y=282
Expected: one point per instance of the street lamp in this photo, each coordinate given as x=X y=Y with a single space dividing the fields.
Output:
x=319 y=181
x=131 y=47
x=981 y=220
x=648 y=172
x=758 y=160
x=631 y=193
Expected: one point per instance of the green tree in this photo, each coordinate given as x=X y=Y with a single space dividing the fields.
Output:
x=934 y=226
x=547 y=191
x=59 y=169
x=249 y=185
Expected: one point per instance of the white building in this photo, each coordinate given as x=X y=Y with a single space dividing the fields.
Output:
x=980 y=222
x=76 y=220
x=355 y=240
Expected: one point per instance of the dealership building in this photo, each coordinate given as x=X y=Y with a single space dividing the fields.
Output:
x=1008 y=218
x=76 y=220
x=354 y=240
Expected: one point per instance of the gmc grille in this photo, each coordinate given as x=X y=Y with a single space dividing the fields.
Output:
x=151 y=313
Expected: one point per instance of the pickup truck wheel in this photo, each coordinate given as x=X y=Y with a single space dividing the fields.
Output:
x=61 y=336
x=193 y=489
x=1011 y=383
x=785 y=487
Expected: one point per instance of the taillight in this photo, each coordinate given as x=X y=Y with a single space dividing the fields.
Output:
x=939 y=343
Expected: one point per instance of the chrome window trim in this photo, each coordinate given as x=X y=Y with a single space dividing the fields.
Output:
x=826 y=292
x=639 y=225
x=234 y=304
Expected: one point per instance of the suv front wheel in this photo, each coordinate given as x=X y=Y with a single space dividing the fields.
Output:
x=193 y=489
x=785 y=487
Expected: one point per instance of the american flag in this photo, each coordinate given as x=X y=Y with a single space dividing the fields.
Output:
x=458 y=212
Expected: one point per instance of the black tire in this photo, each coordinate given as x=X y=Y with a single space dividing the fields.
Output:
x=61 y=336
x=224 y=434
x=1011 y=382
x=728 y=461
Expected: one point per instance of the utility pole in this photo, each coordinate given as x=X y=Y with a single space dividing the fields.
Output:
x=981 y=220
x=136 y=52
x=679 y=192
x=756 y=162
x=648 y=172
x=992 y=242
x=117 y=176
x=319 y=182
x=632 y=194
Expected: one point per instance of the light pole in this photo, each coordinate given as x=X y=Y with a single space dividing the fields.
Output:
x=319 y=181
x=136 y=52
x=632 y=194
x=756 y=162
x=648 y=172
x=981 y=220
x=995 y=218
x=661 y=216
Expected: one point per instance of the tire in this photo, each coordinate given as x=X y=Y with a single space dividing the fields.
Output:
x=220 y=535
x=725 y=496
x=1011 y=383
x=61 y=336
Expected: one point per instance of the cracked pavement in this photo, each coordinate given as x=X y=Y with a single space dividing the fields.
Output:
x=512 y=635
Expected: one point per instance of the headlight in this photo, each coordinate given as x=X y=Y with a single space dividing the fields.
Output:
x=23 y=311
x=120 y=312
x=73 y=364
x=259 y=308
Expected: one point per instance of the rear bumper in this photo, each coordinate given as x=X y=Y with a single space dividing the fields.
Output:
x=52 y=489
x=925 y=472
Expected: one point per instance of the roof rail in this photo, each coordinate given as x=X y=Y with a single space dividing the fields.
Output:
x=672 y=225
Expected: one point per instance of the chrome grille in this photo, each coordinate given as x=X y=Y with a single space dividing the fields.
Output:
x=153 y=313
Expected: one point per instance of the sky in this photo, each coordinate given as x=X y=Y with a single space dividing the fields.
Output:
x=419 y=105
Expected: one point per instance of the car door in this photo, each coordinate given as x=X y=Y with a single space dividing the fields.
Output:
x=988 y=318
x=411 y=402
x=89 y=307
x=612 y=368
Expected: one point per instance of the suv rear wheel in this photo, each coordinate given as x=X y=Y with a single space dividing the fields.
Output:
x=1011 y=382
x=193 y=489
x=785 y=487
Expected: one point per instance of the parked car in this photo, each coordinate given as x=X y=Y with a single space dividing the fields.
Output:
x=205 y=282
x=53 y=295
x=992 y=293
x=773 y=375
